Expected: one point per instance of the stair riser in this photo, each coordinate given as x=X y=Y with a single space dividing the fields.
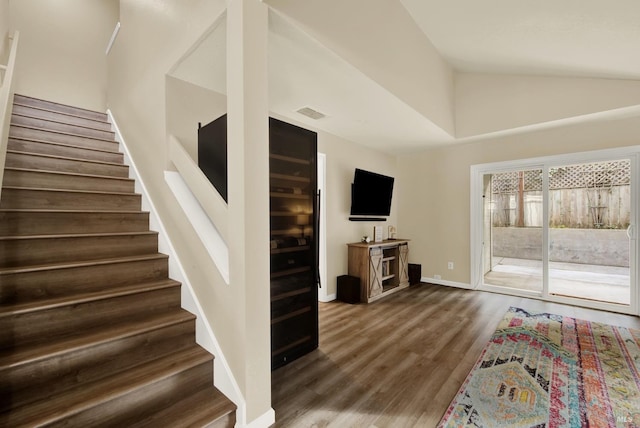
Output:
x=13 y=198
x=46 y=163
x=64 y=150
x=46 y=180
x=43 y=284
x=60 y=117
x=127 y=409
x=56 y=137
x=44 y=378
x=36 y=251
x=20 y=223
x=48 y=105
x=46 y=325
x=61 y=127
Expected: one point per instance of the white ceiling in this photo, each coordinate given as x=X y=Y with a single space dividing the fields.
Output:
x=302 y=73
x=581 y=38
x=587 y=38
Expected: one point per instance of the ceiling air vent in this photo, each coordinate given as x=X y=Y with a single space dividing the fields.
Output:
x=309 y=112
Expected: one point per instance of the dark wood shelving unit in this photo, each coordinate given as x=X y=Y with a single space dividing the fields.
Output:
x=293 y=207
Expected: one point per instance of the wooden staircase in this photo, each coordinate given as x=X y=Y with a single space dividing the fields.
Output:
x=91 y=329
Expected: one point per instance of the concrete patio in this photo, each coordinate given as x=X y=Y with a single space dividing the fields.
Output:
x=592 y=282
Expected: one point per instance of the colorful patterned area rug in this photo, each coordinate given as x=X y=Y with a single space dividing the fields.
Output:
x=544 y=370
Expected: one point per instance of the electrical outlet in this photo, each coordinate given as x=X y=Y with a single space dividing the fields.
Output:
x=437 y=277
x=450 y=265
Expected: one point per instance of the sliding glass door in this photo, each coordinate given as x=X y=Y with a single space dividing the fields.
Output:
x=558 y=228
x=589 y=220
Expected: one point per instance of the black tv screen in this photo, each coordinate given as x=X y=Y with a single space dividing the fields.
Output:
x=371 y=193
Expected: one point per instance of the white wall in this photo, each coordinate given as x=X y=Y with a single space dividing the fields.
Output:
x=62 y=49
x=4 y=31
x=188 y=104
x=494 y=102
x=342 y=159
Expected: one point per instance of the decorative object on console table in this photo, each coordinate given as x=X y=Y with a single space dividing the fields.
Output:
x=392 y=232
x=377 y=233
x=382 y=267
x=294 y=243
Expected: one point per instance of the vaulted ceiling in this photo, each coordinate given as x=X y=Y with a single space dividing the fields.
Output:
x=586 y=38
x=393 y=74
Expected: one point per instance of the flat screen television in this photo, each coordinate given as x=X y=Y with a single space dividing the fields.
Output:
x=371 y=194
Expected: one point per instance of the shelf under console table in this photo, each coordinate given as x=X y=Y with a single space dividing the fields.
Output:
x=383 y=267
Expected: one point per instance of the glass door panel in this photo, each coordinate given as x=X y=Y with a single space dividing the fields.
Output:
x=513 y=232
x=589 y=213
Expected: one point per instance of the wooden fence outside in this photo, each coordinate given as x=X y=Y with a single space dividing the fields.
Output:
x=582 y=208
x=584 y=196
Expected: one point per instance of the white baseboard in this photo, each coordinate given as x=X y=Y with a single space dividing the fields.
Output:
x=327 y=298
x=264 y=421
x=446 y=283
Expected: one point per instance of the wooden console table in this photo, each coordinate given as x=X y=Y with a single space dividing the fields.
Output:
x=383 y=267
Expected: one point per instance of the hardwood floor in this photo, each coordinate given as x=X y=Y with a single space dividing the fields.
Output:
x=399 y=361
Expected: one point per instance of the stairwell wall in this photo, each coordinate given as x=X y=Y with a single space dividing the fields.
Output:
x=62 y=49
x=152 y=38
x=4 y=31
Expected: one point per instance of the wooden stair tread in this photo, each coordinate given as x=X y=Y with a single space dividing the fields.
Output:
x=17 y=103
x=41 y=210
x=197 y=410
x=17 y=98
x=90 y=161
x=88 y=395
x=83 y=263
x=66 y=173
x=45 y=304
x=75 y=235
x=52 y=120
x=33 y=222
x=69 y=134
x=35 y=140
x=35 y=352
x=69 y=191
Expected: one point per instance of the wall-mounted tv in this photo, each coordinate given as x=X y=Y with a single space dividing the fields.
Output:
x=370 y=194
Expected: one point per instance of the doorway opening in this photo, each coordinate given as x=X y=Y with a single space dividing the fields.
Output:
x=323 y=295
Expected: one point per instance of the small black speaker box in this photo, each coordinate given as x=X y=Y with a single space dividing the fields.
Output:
x=349 y=289
x=415 y=273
